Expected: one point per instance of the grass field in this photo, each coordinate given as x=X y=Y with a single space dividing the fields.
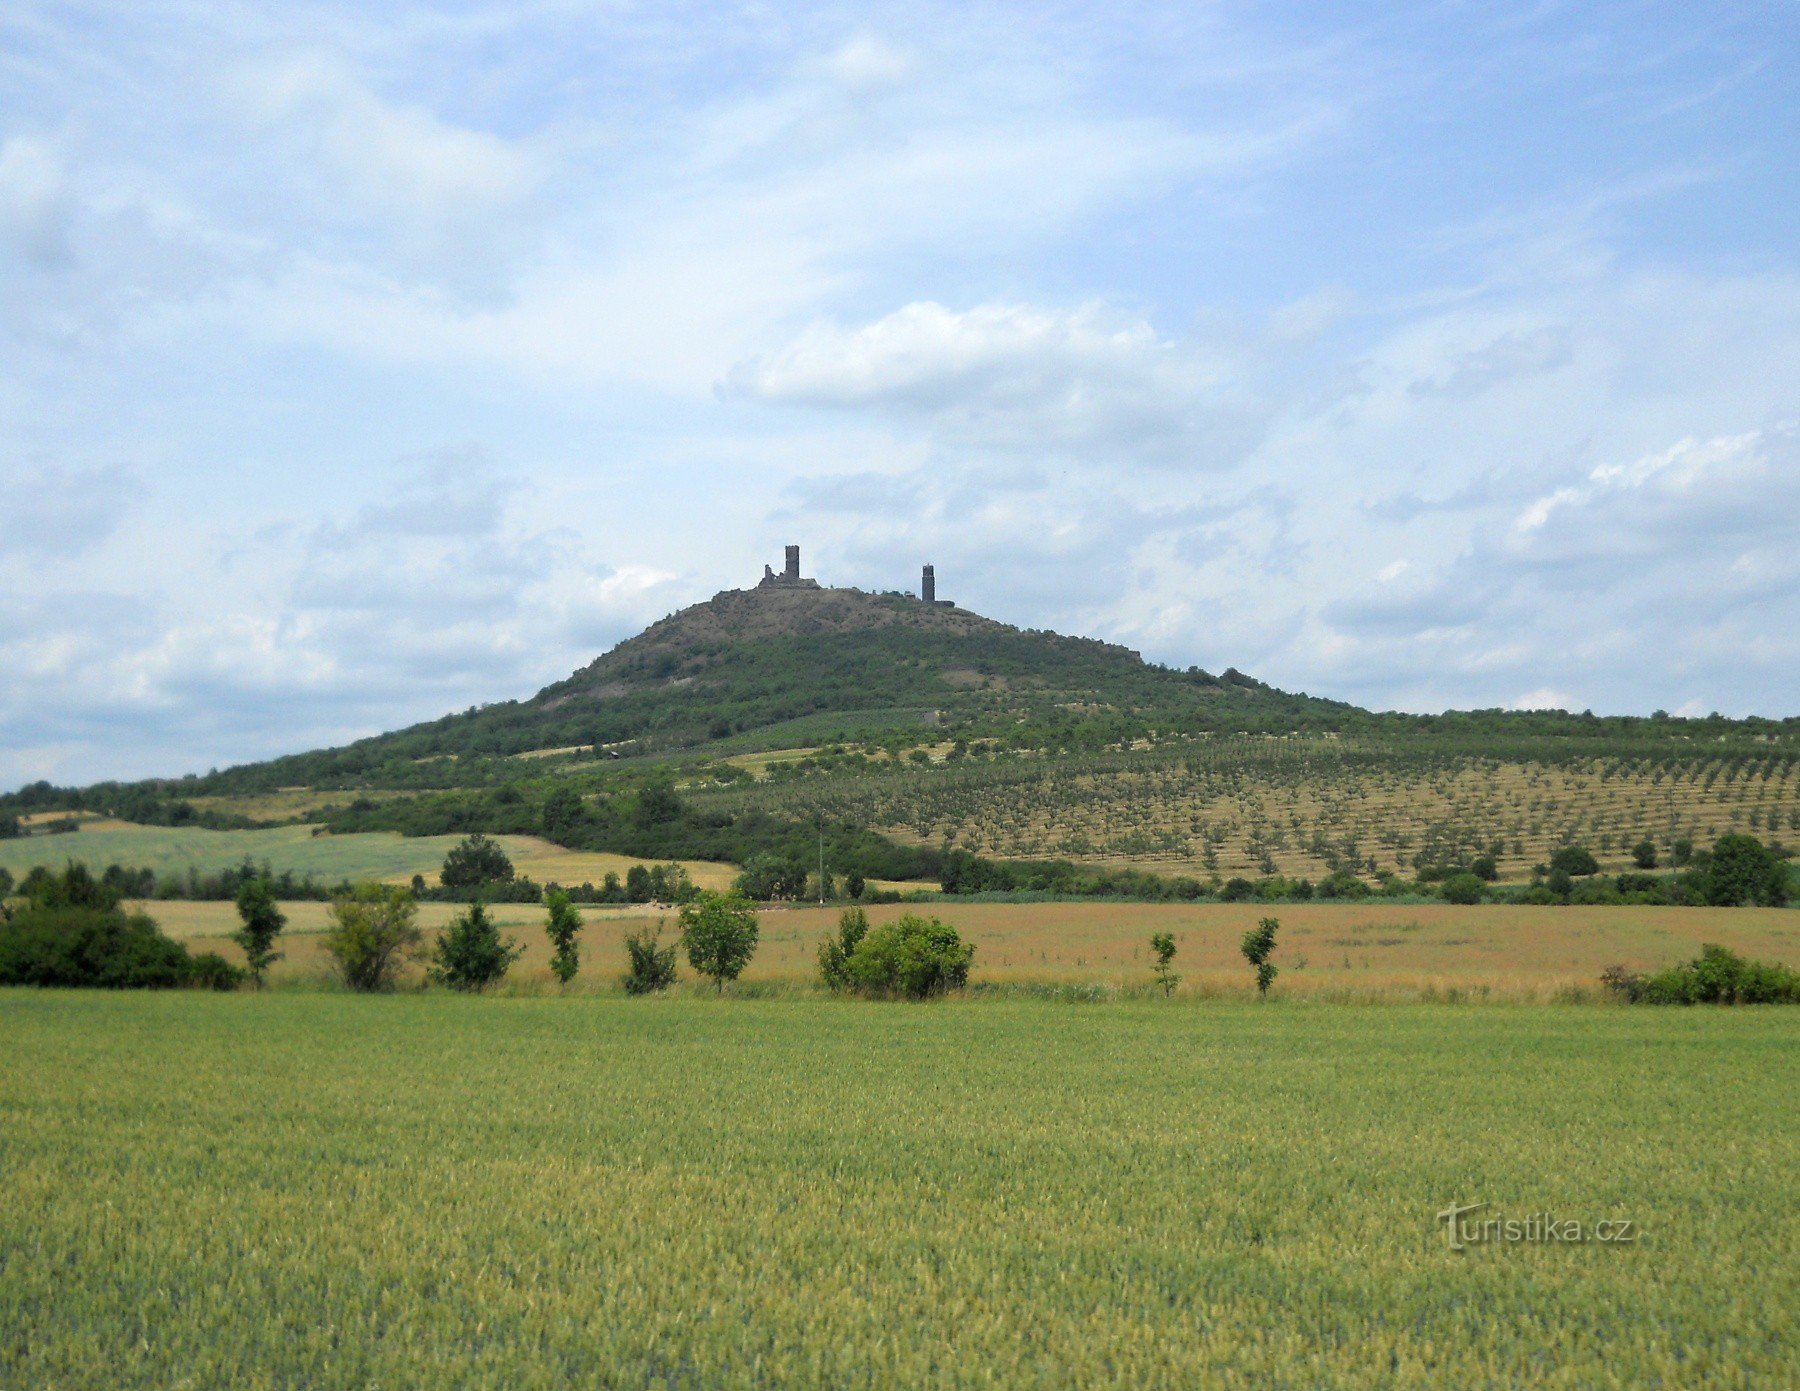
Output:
x=370 y=855
x=1343 y=949
x=328 y=1191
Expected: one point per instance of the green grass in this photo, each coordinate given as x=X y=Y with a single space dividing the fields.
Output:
x=370 y=855
x=430 y=1191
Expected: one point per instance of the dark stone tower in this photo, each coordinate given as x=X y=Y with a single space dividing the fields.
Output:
x=792 y=571
x=928 y=586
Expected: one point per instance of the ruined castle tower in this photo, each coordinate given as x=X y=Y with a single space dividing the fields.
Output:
x=790 y=577
x=928 y=585
x=792 y=571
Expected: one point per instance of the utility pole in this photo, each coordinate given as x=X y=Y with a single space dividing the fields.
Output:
x=821 y=828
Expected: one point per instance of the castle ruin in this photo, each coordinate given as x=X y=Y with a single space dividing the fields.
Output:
x=791 y=578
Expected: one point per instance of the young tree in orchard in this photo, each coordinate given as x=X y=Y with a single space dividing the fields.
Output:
x=374 y=931
x=719 y=932
x=1258 y=943
x=263 y=920
x=1163 y=944
x=470 y=953
x=563 y=928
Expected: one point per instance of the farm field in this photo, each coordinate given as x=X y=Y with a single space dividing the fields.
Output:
x=1393 y=951
x=1301 y=808
x=385 y=855
x=315 y=1189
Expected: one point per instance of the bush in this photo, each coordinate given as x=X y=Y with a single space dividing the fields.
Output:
x=651 y=965
x=1485 y=868
x=474 y=863
x=83 y=945
x=210 y=971
x=1643 y=854
x=1745 y=871
x=374 y=931
x=470 y=953
x=1716 y=976
x=1574 y=861
x=835 y=952
x=719 y=932
x=913 y=957
x=1463 y=888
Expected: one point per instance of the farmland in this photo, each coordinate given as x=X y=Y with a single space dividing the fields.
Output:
x=314 y=1189
x=1327 y=950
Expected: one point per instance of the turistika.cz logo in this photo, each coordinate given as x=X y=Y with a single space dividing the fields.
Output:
x=1465 y=1229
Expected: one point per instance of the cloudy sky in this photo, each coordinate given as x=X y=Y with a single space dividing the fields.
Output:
x=363 y=361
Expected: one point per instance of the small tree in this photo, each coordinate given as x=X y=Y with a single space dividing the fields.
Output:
x=1163 y=944
x=1256 y=946
x=651 y=965
x=263 y=920
x=912 y=956
x=563 y=812
x=1744 y=870
x=854 y=884
x=1643 y=854
x=1462 y=888
x=719 y=932
x=1574 y=860
x=563 y=928
x=374 y=930
x=834 y=952
x=470 y=954
x=474 y=862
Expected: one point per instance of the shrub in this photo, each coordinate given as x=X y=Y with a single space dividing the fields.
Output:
x=1744 y=870
x=1485 y=868
x=1716 y=976
x=84 y=945
x=470 y=953
x=1240 y=890
x=474 y=862
x=210 y=971
x=719 y=933
x=1258 y=943
x=1574 y=861
x=563 y=928
x=1463 y=888
x=835 y=952
x=651 y=966
x=913 y=957
x=374 y=931
x=1643 y=854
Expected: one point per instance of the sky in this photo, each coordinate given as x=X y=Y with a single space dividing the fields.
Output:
x=362 y=362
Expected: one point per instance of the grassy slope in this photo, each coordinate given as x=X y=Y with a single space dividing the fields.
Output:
x=313 y=1189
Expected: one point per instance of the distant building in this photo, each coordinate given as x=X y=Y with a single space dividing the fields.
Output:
x=928 y=589
x=789 y=578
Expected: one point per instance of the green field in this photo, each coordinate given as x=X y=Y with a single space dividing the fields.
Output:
x=320 y=1190
x=370 y=855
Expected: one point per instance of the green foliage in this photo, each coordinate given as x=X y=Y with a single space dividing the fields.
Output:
x=1463 y=888
x=657 y=804
x=1574 y=861
x=476 y=863
x=719 y=933
x=913 y=956
x=854 y=884
x=1716 y=976
x=1257 y=945
x=1643 y=854
x=210 y=971
x=563 y=928
x=1743 y=870
x=650 y=966
x=374 y=932
x=835 y=952
x=766 y=878
x=71 y=931
x=469 y=953
x=1163 y=944
x=563 y=811
x=263 y=921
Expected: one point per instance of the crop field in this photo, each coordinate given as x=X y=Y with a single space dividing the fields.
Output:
x=1302 y=808
x=1329 y=950
x=322 y=1190
x=384 y=855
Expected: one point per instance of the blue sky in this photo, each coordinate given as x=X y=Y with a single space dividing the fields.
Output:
x=363 y=362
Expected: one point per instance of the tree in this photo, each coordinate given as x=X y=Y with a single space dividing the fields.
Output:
x=719 y=932
x=766 y=877
x=1462 y=888
x=1485 y=868
x=563 y=812
x=470 y=954
x=912 y=956
x=475 y=862
x=1258 y=943
x=562 y=928
x=835 y=952
x=1744 y=870
x=263 y=920
x=1163 y=944
x=374 y=931
x=656 y=804
x=651 y=966
x=1575 y=861
x=854 y=884
x=1643 y=854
